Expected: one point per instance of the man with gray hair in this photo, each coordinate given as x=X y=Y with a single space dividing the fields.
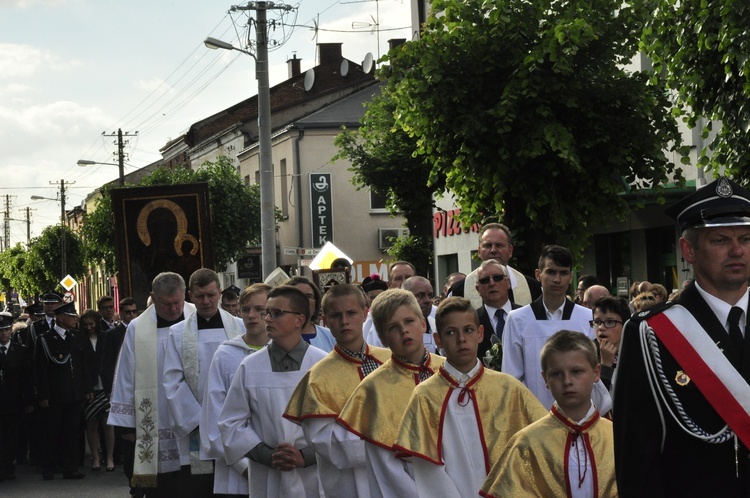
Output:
x=493 y=286
x=154 y=454
x=495 y=242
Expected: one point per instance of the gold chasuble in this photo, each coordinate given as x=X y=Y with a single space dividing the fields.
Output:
x=376 y=406
x=502 y=405
x=326 y=387
x=535 y=462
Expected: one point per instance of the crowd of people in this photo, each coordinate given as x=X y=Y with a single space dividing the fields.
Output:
x=505 y=386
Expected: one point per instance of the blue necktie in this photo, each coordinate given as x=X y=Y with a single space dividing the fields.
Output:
x=500 y=315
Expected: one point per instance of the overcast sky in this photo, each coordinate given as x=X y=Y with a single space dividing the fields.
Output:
x=73 y=70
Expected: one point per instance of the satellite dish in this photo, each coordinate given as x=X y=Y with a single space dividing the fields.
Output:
x=368 y=63
x=344 y=69
x=309 y=79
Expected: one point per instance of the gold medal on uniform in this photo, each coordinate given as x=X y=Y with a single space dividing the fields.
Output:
x=681 y=378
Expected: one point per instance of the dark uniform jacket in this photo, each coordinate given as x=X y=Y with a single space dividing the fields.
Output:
x=16 y=379
x=111 y=343
x=686 y=466
x=60 y=368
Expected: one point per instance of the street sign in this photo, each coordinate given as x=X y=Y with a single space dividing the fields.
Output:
x=300 y=251
x=68 y=282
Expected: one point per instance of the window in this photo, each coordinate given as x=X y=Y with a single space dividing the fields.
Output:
x=377 y=202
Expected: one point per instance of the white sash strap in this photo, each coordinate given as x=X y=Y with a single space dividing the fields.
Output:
x=719 y=382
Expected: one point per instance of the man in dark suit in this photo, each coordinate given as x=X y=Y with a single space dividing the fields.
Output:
x=493 y=287
x=496 y=242
x=112 y=342
x=682 y=420
x=16 y=394
x=62 y=384
x=106 y=307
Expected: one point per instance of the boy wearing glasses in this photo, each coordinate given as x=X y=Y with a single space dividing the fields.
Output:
x=528 y=328
x=376 y=406
x=251 y=422
x=325 y=389
x=459 y=420
x=610 y=313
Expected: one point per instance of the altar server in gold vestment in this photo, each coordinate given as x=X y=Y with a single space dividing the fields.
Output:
x=325 y=389
x=376 y=406
x=570 y=451
x=459 y=420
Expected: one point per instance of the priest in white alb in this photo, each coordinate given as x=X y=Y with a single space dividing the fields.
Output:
x=152 y=451
x=190 y=349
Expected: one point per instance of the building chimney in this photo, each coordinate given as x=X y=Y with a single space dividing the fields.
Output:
x=294 y=66
x=329 y=53
x=395 y=42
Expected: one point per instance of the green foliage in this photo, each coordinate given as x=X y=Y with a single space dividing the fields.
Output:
x=701 y=50
x=98 y=234
x=235 y=213
x=43 y=263
x=383 y=159
x=525 y=110
x=12 y=266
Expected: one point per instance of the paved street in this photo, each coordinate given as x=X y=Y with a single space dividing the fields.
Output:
x=101 y=484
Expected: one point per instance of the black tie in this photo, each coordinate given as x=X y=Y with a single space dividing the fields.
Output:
x=3 y=349
x=52 y=324
x=500 y=315
x=734 y=329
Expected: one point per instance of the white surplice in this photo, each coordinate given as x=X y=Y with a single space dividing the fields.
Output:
x=523 y=339
x=387 y=474
x=340 y=456
x=122 y=410
x=252 y=414
x=464 y=471
x=228 y=479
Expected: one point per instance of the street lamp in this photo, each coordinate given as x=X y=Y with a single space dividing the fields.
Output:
x=61 y=200
x=86 y=162
x=267 y=221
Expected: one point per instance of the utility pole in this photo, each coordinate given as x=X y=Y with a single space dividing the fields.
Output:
x=63 y=226
x=121 y=151
x=267 y=221
x=28 y=226
x=6 y=224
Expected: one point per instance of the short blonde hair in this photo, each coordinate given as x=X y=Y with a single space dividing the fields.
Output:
x=385 y=305
x=568 y=340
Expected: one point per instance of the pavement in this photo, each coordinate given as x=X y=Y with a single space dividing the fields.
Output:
x=102 y=484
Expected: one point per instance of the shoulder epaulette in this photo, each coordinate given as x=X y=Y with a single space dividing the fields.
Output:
x=651 y=311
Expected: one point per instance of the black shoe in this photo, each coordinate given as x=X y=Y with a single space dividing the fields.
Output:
x=48 y=476
x=74 y=475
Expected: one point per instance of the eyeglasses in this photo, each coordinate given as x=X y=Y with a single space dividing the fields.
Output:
x=276 y=313
x=486 y=280
x=608 y=324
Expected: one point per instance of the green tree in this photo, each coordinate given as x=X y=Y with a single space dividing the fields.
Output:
x=383 y=159
x=235 y=212
x=701 y=50
x=527 y=112
x=43 y=264
x=12 y=266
